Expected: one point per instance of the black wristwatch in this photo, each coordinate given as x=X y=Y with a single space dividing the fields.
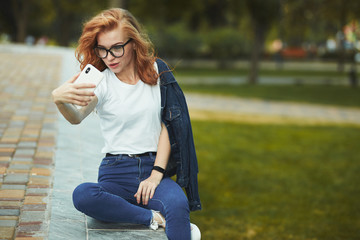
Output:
x=159 y=169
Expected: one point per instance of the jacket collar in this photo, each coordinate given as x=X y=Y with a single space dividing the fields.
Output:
x=166 y=76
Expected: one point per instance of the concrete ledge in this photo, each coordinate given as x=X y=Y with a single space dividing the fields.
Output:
x=101 y=230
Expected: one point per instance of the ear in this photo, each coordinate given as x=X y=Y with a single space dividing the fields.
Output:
x=133 y=44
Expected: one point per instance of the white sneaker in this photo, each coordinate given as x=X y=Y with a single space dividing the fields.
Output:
x=195 y=232
x=154 y=225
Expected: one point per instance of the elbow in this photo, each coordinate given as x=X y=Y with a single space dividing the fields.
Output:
x=75 y=122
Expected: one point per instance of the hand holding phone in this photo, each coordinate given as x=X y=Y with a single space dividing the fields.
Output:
x=89 y=74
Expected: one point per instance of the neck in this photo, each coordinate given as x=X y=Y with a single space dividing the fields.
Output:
x=129 y=75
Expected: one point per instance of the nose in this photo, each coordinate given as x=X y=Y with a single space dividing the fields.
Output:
x=109 y=57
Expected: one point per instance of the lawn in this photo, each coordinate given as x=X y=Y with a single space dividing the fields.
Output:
x=319 y=94
x=278 y=182
x=206 y=72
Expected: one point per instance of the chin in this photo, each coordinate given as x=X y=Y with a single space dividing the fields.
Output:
x=115 y=70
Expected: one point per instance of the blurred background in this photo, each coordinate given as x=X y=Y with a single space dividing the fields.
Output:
x=261 y=176
x=223 y=31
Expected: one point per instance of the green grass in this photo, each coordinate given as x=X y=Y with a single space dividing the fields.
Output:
x=206 y=72
x=320 y=94
x=278 y=182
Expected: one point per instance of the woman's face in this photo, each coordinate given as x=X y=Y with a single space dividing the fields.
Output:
x=114 y=37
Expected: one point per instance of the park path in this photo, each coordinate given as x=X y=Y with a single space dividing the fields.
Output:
x=42 y=157
x=207 y=107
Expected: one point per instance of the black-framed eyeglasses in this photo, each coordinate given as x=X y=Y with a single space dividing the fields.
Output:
x=116 y=51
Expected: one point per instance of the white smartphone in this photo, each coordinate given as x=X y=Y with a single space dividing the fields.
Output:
x=89 y=74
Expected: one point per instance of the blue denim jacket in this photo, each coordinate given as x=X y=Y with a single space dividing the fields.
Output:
x=175 y=115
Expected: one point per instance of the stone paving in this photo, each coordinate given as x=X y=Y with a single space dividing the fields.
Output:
x=43 y=158
x=27 y=142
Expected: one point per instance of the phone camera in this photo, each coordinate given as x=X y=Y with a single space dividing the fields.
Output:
x=87 y=70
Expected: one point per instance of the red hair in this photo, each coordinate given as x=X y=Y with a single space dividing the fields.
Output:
x=109 y=20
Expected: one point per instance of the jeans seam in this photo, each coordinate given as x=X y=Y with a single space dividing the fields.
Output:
x=161 y=202
x=139 y=167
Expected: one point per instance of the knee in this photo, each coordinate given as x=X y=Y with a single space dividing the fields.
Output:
x=178 y=204
x=83 y=195
x=178 y=219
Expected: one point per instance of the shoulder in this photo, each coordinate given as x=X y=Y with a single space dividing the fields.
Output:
x=165 y=73
x=102 y=88
x=162 y=66
x=107 y=73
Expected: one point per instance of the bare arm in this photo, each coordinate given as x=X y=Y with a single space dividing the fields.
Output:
x=71 y=93
x=163 y=151
x=147 y=187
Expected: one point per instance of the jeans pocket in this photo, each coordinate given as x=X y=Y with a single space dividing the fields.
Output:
x=108 y=162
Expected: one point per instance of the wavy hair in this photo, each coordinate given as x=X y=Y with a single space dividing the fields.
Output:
x=107 y=21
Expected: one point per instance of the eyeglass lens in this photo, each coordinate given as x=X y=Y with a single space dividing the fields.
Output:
x=116 y=51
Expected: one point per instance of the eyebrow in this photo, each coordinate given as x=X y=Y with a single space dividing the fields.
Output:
x=118 y=43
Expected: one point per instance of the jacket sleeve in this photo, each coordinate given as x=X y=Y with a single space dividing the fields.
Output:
x=183 y=160
x=188 y=149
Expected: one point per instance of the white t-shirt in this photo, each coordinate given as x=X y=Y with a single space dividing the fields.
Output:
x=129 y=115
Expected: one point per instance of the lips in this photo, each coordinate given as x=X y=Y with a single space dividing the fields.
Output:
x=113 y=65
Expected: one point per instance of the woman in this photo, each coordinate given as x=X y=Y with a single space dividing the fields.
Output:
x=145 y=123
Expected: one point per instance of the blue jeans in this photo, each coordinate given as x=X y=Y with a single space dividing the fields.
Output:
x=112 y=198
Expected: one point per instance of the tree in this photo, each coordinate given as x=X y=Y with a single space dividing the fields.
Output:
x=17 y=13
x=340 y=13
x=70 y=16
x=262 y=14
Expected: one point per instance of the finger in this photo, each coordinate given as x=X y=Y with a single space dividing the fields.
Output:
x=138 y=194
x=84 y=92
x=83 y=99
x=84 y=85
x=73 y=79
x=147 y=195
x=83 y=104
x=152 y=192
x=86 y=99
x=143 y=195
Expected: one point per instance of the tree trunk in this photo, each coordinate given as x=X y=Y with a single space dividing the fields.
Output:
x=256 y=54
x=341 y=39
x=21 y=10
x=353 y=73
x=63 y=23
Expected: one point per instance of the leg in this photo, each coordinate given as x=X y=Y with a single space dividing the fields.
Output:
x=93 y=200
x=171 y=201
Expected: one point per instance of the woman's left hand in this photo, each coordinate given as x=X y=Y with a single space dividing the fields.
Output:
x=147 y=188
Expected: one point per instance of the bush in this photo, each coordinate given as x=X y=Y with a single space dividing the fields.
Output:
x=176 y=42
x=226 y=44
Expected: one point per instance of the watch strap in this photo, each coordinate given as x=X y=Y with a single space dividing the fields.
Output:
x=159 y=169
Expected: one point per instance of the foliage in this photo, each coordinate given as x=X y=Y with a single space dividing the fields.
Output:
x=176 y=41
x=316 y=20
x=226 y=44
x=294 y=21
x=277 y=182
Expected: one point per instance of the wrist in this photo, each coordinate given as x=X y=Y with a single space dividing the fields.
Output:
x=157 y=175
x=159 y=169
